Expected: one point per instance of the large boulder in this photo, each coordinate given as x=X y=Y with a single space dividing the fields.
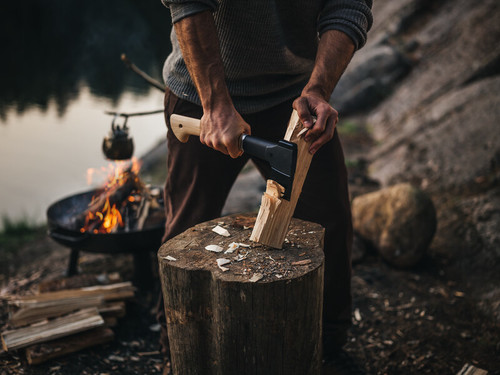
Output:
x=399 y=221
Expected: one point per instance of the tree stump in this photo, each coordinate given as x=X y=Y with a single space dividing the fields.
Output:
x=259 y=311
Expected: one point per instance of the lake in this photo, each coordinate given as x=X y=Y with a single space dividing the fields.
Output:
x=60 y=71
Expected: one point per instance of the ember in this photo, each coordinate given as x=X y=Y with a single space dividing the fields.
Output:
x=123 y=203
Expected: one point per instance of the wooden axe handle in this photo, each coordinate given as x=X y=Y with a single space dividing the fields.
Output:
x=183 y=127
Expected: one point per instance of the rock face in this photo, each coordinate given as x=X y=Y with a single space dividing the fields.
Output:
x=370 y=79
x=399 y=222
x=436 y=124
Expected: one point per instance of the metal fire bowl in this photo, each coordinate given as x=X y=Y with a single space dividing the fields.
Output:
x=61 y=229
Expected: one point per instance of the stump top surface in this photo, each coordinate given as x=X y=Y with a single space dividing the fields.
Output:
x=302 y=251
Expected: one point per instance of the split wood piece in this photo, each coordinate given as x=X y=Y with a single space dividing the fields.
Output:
x=67 y=325
x=261 y=316
x=469 y=369
x=275 y=213
x=52 y=308
x=78 y=281
x=113 y=309
x=40 y=353
x=112 y=292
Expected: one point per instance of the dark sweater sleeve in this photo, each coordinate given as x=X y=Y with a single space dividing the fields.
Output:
x=353 y=17
x=180 y=9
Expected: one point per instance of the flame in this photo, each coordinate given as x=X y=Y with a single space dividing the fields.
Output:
x=109 y=217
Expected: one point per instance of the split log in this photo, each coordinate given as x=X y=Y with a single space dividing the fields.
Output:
x=41 y=310
x=275 y=213
x=469 y=369
x=256 y=312
x=67 y=325
x=78 y=281
x=40 y=353
x=112 y=292
x=113 y=309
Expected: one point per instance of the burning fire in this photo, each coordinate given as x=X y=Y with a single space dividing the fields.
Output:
x=123 y=187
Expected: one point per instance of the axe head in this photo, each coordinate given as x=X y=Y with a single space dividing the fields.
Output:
x=281 y=156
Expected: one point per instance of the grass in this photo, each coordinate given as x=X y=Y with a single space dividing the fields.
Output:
x=350 y=128
x=17 y=233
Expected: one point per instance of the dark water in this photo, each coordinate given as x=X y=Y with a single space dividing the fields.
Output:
x=60 y=69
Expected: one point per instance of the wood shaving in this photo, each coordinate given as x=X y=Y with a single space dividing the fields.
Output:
x=219 y=230
x=214 y=248
x=302 y=262
x=256 y=277
x=221 y=262
x=232 y=246
x=302 y=132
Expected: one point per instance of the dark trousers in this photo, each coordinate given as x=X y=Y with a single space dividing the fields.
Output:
x=199 y=180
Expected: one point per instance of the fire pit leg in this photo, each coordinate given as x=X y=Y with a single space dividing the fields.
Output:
x=143 y=273
x=73 y=262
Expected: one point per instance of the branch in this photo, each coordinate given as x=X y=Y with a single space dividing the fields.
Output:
x=129 y=64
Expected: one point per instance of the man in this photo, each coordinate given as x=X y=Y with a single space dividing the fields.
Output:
x=241 y=66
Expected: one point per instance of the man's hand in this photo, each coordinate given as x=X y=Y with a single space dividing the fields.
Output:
x=222 y=130
x=334 y=53
x=321 y=129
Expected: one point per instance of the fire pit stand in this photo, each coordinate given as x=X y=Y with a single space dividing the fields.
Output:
x=139 y=243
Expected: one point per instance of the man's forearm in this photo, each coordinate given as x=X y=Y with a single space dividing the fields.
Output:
x=200 y=48
x=334 y=54
x=221 y=125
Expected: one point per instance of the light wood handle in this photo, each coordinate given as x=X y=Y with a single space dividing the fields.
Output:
x=183 y=127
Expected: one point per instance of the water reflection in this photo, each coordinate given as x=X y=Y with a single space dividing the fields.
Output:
x=60 y=69
x=51 y=48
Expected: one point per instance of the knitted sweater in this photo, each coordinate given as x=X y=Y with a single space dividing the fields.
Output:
x=268 y=47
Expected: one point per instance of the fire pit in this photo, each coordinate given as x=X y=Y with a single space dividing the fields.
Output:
x=123 y=216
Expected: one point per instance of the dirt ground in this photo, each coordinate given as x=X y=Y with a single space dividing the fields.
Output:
x=422 y=321
x=404 y=322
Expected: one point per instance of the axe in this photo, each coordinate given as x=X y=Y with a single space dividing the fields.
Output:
x=281 y=156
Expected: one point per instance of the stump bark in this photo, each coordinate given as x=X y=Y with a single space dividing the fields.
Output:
x=259 y=313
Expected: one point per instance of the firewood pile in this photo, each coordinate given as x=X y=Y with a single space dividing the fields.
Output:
x=65 y=316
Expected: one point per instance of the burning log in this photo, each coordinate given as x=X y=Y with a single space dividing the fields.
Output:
x=103 y=204
x=123 y=202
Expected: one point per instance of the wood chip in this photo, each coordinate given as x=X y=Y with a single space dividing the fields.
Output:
x=232 y=246
x=302 y=132
x=222 y=231
x=221 y=262
x=214 y=248
x=170 y=258
x=357 y=315
x=256 y=277
x=302 y=262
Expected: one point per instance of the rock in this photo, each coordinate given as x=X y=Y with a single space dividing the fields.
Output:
x=450 y=143
x=369 y=78
x=399 y=221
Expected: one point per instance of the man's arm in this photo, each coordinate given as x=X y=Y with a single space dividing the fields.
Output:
x=334 y=54
x=221 y=124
